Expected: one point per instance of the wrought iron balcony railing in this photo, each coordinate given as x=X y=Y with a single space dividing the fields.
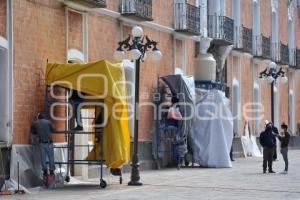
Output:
x=221 y=29
x=243 y=39
x=292 y=57
x=275 y=52
x=138 y=9
x=91 y=3
x=284 y=54
x=298 y=58
x=187 y=18
x=247 y=39
x=261 y=47
x=266 y=47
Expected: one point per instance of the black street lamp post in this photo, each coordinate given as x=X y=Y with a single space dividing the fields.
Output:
x=272 y=74
x=137 y=45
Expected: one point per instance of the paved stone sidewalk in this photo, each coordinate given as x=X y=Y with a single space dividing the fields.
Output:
x=244 y=181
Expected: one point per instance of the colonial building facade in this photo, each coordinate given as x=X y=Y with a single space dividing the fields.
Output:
x=261 y=31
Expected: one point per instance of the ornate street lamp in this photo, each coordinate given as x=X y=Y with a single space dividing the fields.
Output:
x=137 y=44
x=271 y=74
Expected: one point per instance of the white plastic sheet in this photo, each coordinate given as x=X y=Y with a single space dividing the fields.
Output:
x=249 y=144
x=212 y=131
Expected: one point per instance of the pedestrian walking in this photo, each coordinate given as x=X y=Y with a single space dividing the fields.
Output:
x=284 y=138
x=268 y=141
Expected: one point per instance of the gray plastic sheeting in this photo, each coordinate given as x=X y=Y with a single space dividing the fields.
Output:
x=30 y=172
x=212 y=130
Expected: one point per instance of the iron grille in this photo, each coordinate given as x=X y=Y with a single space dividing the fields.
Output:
x=187 y=18
x=141 y=9
x=221 y=28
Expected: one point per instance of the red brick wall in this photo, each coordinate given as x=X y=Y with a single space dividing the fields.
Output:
x=39 y=34
x=284 y=101
x=104 y=35
x=75 y=30
x=190 y=57
x=265 y=16
x=283 y=16
x=113 y=5
x=228 y=4
x=3 y=18
x=246 y=13
x=149 y=71
x=162 y=12
x=246 y=86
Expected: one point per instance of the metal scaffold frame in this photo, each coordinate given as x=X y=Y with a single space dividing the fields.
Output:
x=70 y=133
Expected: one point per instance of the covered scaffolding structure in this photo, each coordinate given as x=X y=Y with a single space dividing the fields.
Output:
x=212 y=130
x=102 y=87
x=179 y=137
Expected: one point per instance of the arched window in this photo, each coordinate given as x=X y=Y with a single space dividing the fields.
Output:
x=75 y=56
x=4 y=91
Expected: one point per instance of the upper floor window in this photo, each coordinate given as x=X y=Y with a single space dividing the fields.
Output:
x=274 y=30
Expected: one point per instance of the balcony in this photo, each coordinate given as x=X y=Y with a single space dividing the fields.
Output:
x=243 y=39
x=284 y=54
x=247 y=39
x=275 y=52
x=137 y=9
x=297 y=59
x=221 y=29
x=89 y=3
x=187 y=18
x=261 y=47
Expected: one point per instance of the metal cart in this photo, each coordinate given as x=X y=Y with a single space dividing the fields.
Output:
x=166 y=135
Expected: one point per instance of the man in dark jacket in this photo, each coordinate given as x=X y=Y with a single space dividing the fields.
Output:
x=268 y=141
x=43 y=129
x=284 y=138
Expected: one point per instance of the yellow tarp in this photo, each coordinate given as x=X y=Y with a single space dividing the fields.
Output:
x=106 y=81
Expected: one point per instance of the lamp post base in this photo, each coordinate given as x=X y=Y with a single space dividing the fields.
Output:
x=135 y=183
x=135 y=179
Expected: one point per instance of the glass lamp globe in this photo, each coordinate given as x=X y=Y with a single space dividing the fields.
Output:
x=119 y=55
x=284 y=79
x=137 y=31
x=270 y=79
x=134 y=54
x=156 y=55
x=272 y=65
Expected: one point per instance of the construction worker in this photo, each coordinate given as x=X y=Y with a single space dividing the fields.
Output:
x=43 y=129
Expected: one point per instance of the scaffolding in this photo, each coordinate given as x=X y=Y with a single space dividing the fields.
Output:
x=168 y=138
x=70 y=132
